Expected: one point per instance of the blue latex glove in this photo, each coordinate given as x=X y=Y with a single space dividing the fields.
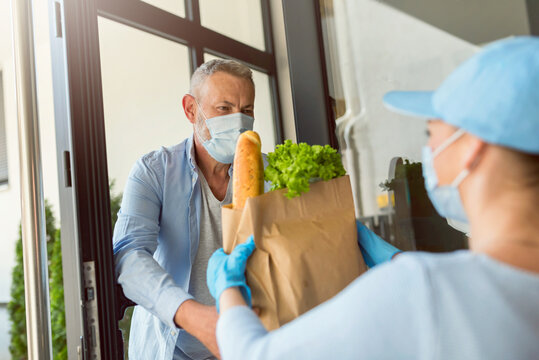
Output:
x=226 y=271
x=374 y=249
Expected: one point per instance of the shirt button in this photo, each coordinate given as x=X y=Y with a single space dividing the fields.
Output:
x=173 y=332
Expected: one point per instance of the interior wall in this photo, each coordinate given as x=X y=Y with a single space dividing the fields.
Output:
x=383 y=49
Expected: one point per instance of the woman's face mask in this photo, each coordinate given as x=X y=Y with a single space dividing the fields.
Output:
x=224 y=132
x=445 y=198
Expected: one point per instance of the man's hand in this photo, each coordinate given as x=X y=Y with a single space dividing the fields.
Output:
x=200 y=321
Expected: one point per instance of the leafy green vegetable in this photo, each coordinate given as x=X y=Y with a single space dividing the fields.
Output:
x=293 y=165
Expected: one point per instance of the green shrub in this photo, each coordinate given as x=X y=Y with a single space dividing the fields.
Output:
x=56 y=286
x=16 y=307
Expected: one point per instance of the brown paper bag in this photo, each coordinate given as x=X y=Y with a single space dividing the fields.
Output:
x=306 y=248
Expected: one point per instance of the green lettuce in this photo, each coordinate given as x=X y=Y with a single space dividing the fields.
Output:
x=293 y=165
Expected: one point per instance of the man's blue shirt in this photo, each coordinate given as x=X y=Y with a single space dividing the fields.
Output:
x=155 y=243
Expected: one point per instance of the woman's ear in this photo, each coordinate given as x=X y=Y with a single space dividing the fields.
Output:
x=189 y=107
x=474 y=150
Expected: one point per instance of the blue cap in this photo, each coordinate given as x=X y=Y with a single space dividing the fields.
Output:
x=493 y=95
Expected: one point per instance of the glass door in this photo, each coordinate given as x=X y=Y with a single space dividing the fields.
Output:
x=120 y=70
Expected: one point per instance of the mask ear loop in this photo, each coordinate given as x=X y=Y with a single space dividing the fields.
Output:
x=448 y=142
x=197 y=127
x=199 y=107
x=464 y=173
x=460 y=177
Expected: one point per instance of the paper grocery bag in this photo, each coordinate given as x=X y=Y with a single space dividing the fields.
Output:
x=306 y=248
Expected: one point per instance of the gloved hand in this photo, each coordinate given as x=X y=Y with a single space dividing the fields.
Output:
x=373 y=248
x=226 y=271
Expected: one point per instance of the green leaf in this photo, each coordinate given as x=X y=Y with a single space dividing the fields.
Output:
x=292 y=166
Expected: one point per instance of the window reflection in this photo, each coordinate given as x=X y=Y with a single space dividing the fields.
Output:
x=238 y=19
x=144 y=78
x=176 y=7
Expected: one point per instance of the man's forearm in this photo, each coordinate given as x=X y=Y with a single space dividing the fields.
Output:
x=200 y=321
x=146 y=283
x=188 y=315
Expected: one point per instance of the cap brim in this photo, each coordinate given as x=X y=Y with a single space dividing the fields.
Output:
x=412 y=103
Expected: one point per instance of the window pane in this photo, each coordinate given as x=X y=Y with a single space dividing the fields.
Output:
x=238 y=19
x=329 y=36
x=264 y=117
x=176 y=7
x=144 y=78
x=389 y=192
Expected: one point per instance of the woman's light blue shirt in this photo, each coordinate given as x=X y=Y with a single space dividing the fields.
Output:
x=458 y=305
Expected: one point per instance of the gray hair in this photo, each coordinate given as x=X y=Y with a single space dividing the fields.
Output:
x=211 y=67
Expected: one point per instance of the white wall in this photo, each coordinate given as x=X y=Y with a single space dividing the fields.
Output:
x=383 y=49
x=239 y=19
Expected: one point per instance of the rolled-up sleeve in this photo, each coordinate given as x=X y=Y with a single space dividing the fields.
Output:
x=136 y=232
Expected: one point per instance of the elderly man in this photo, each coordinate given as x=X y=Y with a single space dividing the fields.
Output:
x=170 y=220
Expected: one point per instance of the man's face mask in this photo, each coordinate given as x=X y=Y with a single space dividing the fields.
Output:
x=445 y=199
x=224 y=132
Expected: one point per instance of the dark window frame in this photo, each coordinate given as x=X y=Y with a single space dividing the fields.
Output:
x=533 y=16
x=313 y=114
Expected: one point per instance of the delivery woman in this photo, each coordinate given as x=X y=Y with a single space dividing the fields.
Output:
x=481 y=165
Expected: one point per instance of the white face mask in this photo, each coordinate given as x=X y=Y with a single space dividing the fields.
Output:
x=446 y=198
x=224 y=131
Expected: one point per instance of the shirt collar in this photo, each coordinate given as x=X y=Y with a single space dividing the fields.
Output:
x=191 y=152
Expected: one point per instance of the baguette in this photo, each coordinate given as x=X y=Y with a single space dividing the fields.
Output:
x=248 y=178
